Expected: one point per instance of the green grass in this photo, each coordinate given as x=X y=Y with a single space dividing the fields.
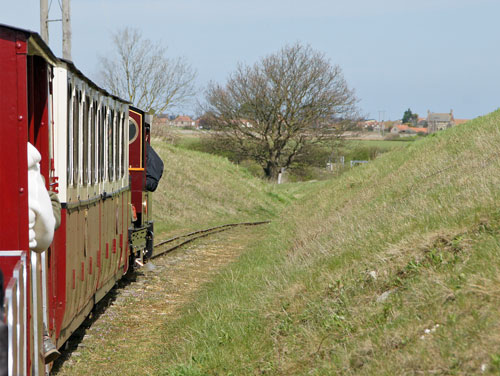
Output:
x=390 y=269
x=382 y=144
x=369 y=149
x=189 y=142
x=310 y=166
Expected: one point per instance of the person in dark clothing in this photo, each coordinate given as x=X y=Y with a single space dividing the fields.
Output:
x=154 y=168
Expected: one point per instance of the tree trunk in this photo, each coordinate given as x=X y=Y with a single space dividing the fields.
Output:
x=272 y=171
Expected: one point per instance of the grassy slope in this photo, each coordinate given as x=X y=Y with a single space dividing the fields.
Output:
x=198 y=190
x=391 y=269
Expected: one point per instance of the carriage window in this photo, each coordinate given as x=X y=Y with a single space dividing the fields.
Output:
x=85 y=145
x=98 y=144
x=111 y=119
x=69 y=151
x=93 y=126
x=117 y=145
x=76 y=118
x=102 y=114
x=123 y=144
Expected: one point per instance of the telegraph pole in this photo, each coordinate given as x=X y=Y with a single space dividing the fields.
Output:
x=44 y=20
x=381 y=123
x=66 y=24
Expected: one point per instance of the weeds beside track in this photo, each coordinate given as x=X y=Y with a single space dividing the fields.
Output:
x=178 y=241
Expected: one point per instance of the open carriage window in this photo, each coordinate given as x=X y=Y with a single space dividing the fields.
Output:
x=117 y=145
x=75 y=138
x=85 y=145
x=69 y=157
x=102 y=114
x=124 y=144
x=93 y=142
x=110 y=130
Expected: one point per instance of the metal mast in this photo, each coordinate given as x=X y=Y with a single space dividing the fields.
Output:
x=44 y=20
x=66 y=24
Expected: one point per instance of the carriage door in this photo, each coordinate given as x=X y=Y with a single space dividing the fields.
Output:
x=40 y=134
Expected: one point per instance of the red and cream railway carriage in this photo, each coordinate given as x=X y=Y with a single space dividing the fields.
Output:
x=90 y=154
x=82 y=133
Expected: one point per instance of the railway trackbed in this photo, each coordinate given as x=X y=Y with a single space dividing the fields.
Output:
x=172 y=244
x=122 y=335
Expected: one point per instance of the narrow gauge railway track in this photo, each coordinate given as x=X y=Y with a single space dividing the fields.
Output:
x=171 y=244
x=161 y=248
x=119 y=337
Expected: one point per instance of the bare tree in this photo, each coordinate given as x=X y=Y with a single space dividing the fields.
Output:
x=272 y=111
x=139 y=71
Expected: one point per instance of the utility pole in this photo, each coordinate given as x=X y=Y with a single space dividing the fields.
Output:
x=381 y=121
x=44 y=20
x=66 y=24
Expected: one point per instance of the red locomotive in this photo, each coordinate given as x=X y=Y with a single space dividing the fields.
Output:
x=145 y=170
x=97 y=165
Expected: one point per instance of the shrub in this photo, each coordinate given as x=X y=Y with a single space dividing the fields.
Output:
x=392 y=137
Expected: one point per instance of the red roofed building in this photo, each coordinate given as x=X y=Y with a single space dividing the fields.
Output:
x=461 y=121
x=405 y=129
x=160 y=120
x=183 y=121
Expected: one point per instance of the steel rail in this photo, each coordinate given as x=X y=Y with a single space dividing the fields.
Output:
x=198 y=235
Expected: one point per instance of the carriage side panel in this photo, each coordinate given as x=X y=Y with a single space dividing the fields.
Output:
x=13 y=141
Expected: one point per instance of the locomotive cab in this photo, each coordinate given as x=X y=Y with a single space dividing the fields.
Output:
x=145 y=171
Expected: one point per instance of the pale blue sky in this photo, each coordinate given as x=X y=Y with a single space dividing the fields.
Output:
x=422 y=54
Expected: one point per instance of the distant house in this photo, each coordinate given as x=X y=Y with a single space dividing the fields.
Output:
x=370 y=123
x=183 y=121
x=405 y=129
x=439 y=121
x=422 y=122
x=374 y=125
x=161 y=119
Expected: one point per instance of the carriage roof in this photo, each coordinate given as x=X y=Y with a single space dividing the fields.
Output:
x=37 y=47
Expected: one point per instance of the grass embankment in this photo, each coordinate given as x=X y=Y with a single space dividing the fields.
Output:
x=391 y=269
x=356 y=149
x=311 y=165
x=199 y=190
